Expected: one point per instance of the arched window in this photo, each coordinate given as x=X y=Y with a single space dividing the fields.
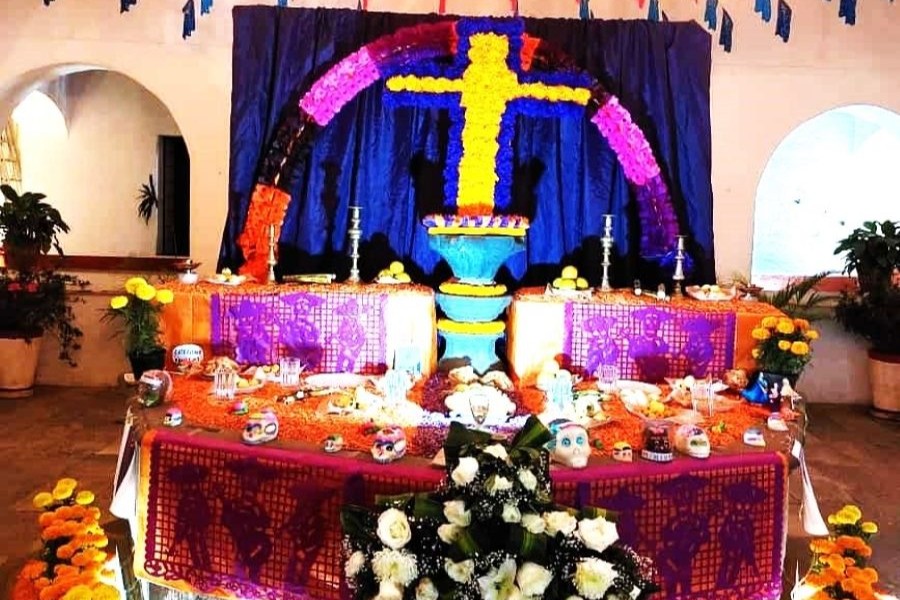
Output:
x=824 y=179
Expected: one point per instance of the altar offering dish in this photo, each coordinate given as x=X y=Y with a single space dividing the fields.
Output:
x=569 y=283
x=711 y=292
x=394 y=274
x=248 y=386
x=336 y=381
x=263 y=373
x=226 y=277
x=261 y=427
x=213 y=365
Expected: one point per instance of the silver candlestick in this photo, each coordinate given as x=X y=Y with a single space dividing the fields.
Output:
x=607 y=242
x=355 y=233
x=272 y=261
x=678 y=276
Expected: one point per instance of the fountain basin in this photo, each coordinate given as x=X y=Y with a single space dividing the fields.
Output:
x=475 y=259
x=472 y=309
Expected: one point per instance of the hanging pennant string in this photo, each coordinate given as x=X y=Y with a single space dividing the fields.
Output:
x=665 y=17
x=584 y=9
x=282 y=3
x=726 y=32
x=190 y=20
x=783 y=25
x=205 y=6
x=848 y=11
x=514 y=7
x=764 y=8
x=709 y=15
x=124 y=5
x=653 y=11
x=442 y=7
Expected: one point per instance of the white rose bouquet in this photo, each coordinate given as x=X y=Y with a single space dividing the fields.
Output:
x=492 y=532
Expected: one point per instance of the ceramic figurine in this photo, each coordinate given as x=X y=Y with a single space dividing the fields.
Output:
x=261 y=427
x=754 y=437
x=173 y=417
x=656 y=443
x=661 y=292
x=775 y=422
x=389 y=445
x=693 y=441
x=736 y=379
x=333 y=443
x=239 y=408
x=622 y=452
x=570 y=445
x=637 y=287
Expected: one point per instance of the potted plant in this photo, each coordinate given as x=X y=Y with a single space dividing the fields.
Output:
x=138 y=311
x=783 y=349
x=30 y=227
x=873 y=311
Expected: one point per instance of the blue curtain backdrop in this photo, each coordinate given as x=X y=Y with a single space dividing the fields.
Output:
x=390 y=161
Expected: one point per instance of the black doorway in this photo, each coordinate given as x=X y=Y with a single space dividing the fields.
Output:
x=174 y=238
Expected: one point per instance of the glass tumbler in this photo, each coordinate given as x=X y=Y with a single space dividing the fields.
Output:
x=290 y=369
x=224 y=383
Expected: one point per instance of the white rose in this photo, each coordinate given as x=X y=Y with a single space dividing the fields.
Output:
x=465 y=471
x=388 y=590
x=560 y=522
x=597 y=534
x=354 y=564
x=394 y=566
x=534 y=523
x=426 y=590
x=456 y=513
x=528 y=480
x=497 y=450
x=511 y=513
x=459 y=572
x=393 y=529
x=449 y=533
x=574 y=598
x=593 y=577
x=533 y=579
x=498 y=483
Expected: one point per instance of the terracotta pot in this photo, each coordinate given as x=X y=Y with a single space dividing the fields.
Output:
x=147 y=361
x=18 y=365
x=884 y=376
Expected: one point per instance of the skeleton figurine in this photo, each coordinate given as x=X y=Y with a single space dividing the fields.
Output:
x=261 y=427
x=334 y=443
x=622 y=452
x=570 y=445
x=173 y=417
x=389 y=445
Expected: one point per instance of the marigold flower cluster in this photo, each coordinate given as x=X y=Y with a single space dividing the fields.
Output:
x=783 y=344
x=73 y=560
x=838 y=567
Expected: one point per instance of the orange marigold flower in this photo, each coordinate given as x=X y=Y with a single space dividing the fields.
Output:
x=63 y=571
x=769 y=322
x=34 y=569
x=46 y=519
x=821 y=595
x=867 y=575
x=822 y=546
x=848 y=585
x=834 y=562
x=802 y=324
x=41 y=582
x=64 y=552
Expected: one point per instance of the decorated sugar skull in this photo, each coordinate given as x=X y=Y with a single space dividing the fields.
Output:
x=622 y=452
x=173 y=417
x=187 y=357
x=570 y=445
x=389 y=444
x=333 y=443
x=693 y=441
x=261 y=427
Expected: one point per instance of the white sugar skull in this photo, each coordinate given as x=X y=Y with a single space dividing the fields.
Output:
x=622 y=452
x=173 y=417
x=261 y=427
x=570 y=446
x=693 y=441
x=333 y=443
x=389 y=445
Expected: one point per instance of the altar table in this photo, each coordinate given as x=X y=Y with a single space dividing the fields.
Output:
x=217 y=517
x=646 y=338
x=333 y=328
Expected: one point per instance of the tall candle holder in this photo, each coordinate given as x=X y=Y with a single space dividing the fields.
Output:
x=272 y=261
x=678 y=276
x=607 y=243
x=355 y=234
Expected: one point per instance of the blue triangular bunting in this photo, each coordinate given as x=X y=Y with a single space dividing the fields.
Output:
x=665 y=17
x=848 y=11
x=584 y=9
x=282 y=3
x=190 y=20
x=124 y=5
x=783 y=25
x=712 y=7
x=725 y=33
x=764 y=8
x=653 y=11
x=205 y=6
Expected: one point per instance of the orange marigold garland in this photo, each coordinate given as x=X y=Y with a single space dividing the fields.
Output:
x=72 y=560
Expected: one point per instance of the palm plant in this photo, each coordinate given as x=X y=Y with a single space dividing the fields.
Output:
x=798 y=298
x=148 y=200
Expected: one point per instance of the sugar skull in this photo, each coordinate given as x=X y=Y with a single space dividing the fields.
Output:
x=261 y=427
x=755 y=437
x=570 y=445
x=333 y=443
x=173 y=417
x=187 y=357
x=389 y=445
x=622 y=452
x=693 y=441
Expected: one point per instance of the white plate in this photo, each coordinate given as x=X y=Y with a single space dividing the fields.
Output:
x=234 y=281
x=627 y=384
x=717 y=386
x=725 y=293
x=336 y=380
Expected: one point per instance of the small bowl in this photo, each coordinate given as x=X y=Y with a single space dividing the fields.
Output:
x=188 y=278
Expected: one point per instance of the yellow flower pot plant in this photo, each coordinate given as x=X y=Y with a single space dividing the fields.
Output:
x=138 y=311
x=783 y=349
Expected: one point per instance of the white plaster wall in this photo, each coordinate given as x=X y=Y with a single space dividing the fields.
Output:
x=759 y=93
x=93 y=174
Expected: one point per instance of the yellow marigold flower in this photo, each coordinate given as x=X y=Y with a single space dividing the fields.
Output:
x=117 y=302
x=801 y=324
x=146 y=292
x=62 y=493
x=799 y=348
x=853 y=511
x=869 y=527
x=812 y=334
x=78 y=592
x=105 y=591
x=784 y=345
x=769 y=322
x=84 y=498
x=755 y=353
x=165 y=296
x=785 y=326
x=760 y=334
x=42 y=500
x=67 y=482
x=132 y=285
